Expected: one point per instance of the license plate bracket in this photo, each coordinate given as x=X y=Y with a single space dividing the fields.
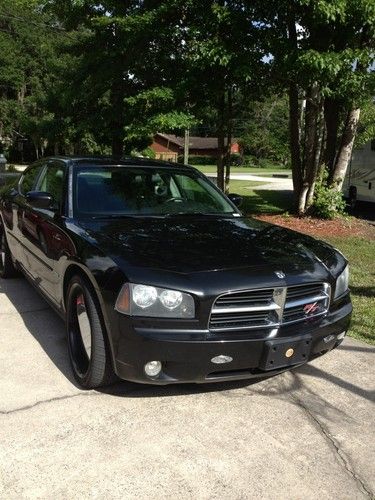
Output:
x=279 y=353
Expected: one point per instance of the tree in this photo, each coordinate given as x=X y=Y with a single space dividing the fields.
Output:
x=263 y=128
x=28 y=41
x=322 y=52
x=123 y=83
x=215 y=70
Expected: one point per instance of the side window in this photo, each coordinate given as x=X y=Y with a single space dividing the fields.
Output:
x=191 y=188
x=52 y=181
x=29 y=178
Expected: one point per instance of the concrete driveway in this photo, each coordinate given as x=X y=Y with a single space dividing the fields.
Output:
x=269 y=183
x=304 y=434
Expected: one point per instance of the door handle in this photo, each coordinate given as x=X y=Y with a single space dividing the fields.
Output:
x=56 y=237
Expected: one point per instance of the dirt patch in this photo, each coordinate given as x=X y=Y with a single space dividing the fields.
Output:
x=322 y=228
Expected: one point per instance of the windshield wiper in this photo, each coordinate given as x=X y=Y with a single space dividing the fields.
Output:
x=116 y=216
x=161 y=215
x=188 y=214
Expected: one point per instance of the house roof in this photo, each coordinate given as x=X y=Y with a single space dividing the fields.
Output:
x=194 y=142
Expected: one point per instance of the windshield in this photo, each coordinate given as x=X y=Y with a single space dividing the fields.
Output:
x=111 y=191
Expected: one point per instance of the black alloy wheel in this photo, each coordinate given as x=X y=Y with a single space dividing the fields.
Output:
x=88 y=350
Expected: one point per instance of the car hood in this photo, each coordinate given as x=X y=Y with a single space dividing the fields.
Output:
x=197 y=244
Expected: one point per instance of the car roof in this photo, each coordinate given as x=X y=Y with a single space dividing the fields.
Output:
x=112 y=161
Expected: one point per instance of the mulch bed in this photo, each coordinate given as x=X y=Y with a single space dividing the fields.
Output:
x=322 y=228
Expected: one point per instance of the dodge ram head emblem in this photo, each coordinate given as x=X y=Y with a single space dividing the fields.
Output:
x=280 y=274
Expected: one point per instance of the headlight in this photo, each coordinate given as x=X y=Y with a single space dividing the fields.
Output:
x=144 y=296
x=342 y=282
x=145 y=300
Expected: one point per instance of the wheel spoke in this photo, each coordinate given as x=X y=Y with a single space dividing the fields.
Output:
x=84 y=324
x=2 y=251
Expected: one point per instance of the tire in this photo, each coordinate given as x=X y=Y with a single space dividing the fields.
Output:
x=87 y=338
x=7 y=269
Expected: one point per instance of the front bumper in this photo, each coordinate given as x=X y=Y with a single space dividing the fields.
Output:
x=186 y=356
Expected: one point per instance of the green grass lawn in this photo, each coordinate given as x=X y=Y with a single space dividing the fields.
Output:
x=261 y=201
x=263 y=172
x=360 y=253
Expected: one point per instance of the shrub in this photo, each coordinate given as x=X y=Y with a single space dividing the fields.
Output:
x=236 y=160
x=198 y=160
x=250 y=161
x=6 y=181
x=149 y=153
x=328 y=202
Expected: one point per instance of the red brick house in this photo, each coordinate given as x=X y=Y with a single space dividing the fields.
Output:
x=168 y=147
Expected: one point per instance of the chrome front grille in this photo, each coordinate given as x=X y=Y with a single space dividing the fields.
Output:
x=306 y=301
x=247 y=298
x=269 y=307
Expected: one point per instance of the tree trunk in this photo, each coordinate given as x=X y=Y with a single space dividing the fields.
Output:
x=302 y=197
x=345 y=151
x=229 y=140
x=319 y=139
x=117 y=122
x=331 y=117
x=221 y=142
x=117 y=146
x=295 y=150
x=294 y=115
x=311 y=140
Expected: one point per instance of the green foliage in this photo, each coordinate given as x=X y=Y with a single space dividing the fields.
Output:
x=28 y=44
x=6 y=182
x=265 y=129
x=85 y=77
x=328 y=202
x=366 y=126
x=198 y=160
x=149 y=153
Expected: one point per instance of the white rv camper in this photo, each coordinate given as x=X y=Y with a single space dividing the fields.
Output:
x=359 y=182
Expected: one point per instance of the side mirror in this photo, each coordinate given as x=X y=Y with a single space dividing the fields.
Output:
x=236 y=199
x=40 y=199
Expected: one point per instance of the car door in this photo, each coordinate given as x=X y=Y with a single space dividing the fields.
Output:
x=16 y=209
x=45 y=236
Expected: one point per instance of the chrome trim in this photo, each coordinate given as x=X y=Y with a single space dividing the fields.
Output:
x=269 y=307
x=304 y=319
x=279 y=297
x=257 y=327
x=300 y=302
x=279 y=304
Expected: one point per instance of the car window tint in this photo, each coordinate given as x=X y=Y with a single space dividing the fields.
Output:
x=195 y=191
x=52 y=181
x=29 y=179
x=137 y=190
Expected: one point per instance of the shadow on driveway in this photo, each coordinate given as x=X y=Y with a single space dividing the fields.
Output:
x=48 y=330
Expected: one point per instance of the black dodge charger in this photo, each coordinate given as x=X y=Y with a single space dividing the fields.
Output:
x=161 y=279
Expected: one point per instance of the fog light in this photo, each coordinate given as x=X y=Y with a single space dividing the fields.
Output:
x=329 y=338
x=153 y=368
x=341 y=335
